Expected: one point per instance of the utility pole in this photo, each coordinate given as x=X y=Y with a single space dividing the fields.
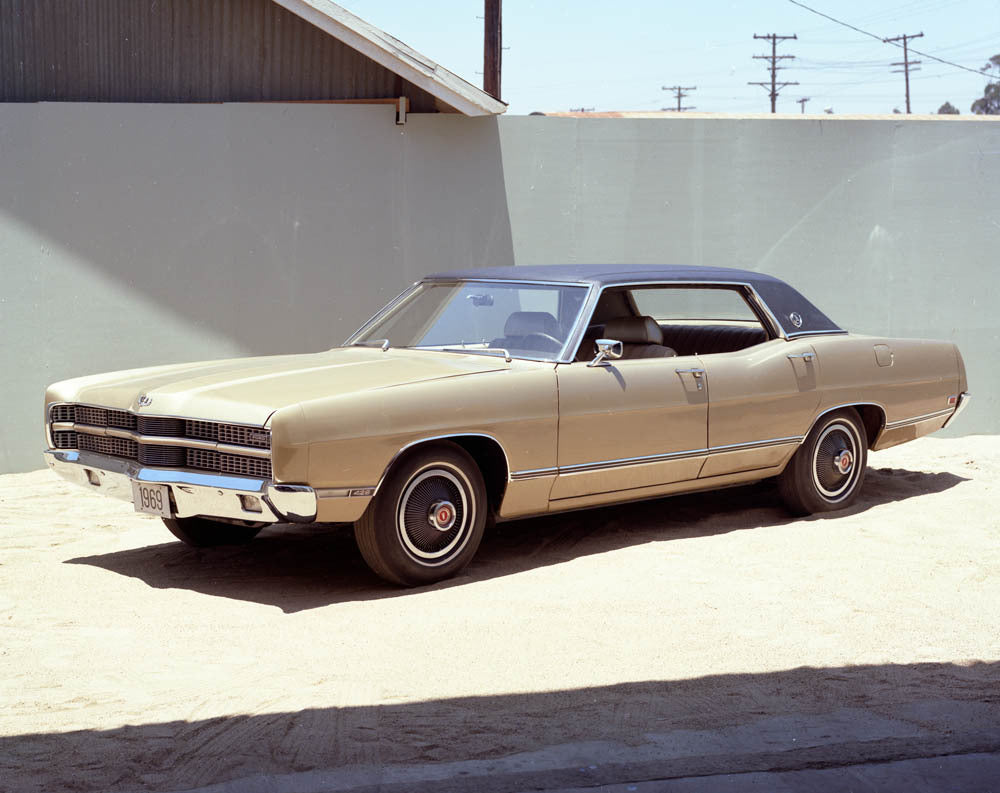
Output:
x=774 y=38
x=802 y=102
x=680 y=90
x=492 y=48
x=907 y=64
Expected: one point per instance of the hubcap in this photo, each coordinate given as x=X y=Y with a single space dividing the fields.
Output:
x=434 y=514
x=843 y=462
x=834 y=470
x=442 y=515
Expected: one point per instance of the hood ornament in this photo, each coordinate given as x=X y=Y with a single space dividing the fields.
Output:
x=144 y=401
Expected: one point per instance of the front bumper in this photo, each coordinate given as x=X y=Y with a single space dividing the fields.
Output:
x=192 y=493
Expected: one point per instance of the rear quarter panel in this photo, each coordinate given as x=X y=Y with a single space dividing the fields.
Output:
x=914 y=389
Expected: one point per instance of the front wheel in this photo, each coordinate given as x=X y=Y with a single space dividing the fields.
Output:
x=205 y=533
x=827 y=470
x=426 y=522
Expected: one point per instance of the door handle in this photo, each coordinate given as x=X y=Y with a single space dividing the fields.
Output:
x=697 y=375
x=805 y=356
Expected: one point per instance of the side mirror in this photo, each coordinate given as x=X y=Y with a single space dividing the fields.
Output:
x=606 y=349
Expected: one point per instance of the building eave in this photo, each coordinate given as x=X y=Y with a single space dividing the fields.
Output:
x=393 y=54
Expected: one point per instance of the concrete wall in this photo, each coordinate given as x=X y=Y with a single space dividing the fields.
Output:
x=891 y=226
x=136 y=234
x=139 y=234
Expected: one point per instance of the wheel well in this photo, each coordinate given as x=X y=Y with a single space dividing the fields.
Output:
x=874 y=420
x=486 y=453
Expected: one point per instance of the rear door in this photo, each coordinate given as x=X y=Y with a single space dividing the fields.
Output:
x=762 y=400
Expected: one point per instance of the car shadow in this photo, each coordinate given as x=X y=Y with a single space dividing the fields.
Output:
x=296 y=568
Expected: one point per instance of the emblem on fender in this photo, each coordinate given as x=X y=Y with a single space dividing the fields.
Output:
x=144 y=401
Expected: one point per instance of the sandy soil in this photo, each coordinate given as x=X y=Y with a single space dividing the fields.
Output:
x=666 y=630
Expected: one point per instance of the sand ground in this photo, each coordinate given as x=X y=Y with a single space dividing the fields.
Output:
x=694 y=635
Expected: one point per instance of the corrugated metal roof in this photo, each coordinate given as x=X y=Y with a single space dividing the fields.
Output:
x=218 y=51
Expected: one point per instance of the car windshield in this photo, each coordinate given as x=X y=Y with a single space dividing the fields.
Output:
x=527 y=320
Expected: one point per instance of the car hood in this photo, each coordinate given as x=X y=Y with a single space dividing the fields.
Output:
x=249 y=390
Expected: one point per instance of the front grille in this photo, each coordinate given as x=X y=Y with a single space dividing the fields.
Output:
x=63 y=413
x=245 y=466
x=64 y=439
x=115 y=447
x=202 y=458
x=122 y=418
x=154 y=425
x=150 y=454
x=95 y=417
x=234 y=434
x=158 y=454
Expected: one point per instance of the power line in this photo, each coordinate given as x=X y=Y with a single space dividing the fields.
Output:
x=680 y=91
x=980 y=72
x=907 y=64
x=774 y=38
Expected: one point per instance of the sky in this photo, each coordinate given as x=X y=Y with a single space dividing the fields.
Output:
x=561 y=55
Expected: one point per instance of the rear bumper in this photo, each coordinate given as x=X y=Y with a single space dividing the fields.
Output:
x=963 y=402
x=192 y=493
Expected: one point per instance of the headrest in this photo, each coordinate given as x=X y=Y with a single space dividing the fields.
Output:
x=633 y=330
x=523 y=323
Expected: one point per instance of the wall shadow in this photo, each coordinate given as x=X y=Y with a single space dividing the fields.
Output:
x=658 y=729
x=296 y=568
x=138 y=235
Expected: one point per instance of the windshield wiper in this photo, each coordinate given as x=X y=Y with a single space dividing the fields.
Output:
x=382 y=344
x=498 y=352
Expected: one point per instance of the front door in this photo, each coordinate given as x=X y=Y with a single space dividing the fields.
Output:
x=630 y=425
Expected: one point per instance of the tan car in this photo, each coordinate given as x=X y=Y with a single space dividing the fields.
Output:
x=500 y=393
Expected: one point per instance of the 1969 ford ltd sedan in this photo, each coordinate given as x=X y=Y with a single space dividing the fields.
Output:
x=498 y=393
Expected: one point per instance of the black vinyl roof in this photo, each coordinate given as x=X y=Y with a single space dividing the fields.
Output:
x=782 y=300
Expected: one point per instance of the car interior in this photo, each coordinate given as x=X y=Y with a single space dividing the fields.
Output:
x=618 y=316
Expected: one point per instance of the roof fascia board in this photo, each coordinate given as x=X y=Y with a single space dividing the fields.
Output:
x=395 y=56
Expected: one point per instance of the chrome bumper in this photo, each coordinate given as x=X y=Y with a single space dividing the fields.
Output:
x=963 y=401
x=193 y=493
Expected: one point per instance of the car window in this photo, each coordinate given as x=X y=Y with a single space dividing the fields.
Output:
x=686 y=304
x=530 y=320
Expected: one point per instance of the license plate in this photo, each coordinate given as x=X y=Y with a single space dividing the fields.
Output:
x=153 y=499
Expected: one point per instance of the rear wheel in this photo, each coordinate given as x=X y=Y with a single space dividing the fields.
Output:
x=205 y=533
x=827 y=471
x=427 y=520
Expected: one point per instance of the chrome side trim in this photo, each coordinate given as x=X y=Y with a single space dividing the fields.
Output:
x=799 y=334
x=533 y=473
x=895 y=425
x=524 y=281
x=628 y=461
x=732 y=447
x=366 y=491
x=163 y=440
x=963 y=401
x=449 y=436
x=624 y=462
